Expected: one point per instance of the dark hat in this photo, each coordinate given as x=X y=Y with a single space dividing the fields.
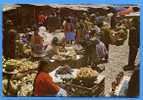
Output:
x=43 y=62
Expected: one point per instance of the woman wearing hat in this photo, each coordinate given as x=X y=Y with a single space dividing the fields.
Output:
x=37 y=45
x=44 y=85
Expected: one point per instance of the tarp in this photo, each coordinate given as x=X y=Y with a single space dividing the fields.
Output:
x=119 y=9
x=126 y=12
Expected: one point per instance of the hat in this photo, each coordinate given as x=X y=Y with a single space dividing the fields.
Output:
x=46 y=62
x=10 y=69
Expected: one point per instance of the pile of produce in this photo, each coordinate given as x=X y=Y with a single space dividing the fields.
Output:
x=26 y=83
x=84 y=84
x=86 y=77
x=64 y=70
x=22 y=64
x=58 y=57
x=70 y=51
x=87 y=73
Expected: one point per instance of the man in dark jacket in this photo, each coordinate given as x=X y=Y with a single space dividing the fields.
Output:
x=134 y=40
x=133 y=88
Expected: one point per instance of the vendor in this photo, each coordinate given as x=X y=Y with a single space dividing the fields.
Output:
x=44 y=85
x=37 y=45
x=61 y=51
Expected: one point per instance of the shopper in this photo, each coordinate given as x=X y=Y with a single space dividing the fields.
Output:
x=134 y=35
x=69 y=31
x=44 y=85
x=105 y=38
x=80 y=29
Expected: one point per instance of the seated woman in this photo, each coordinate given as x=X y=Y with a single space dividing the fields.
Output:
x=37 y=45
x=44 y=85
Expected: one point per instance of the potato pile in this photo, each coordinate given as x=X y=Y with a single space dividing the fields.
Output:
x=86 y=77
x=26 y=83
x=87 y=73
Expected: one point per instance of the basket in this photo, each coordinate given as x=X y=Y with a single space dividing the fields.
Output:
x=79 y=90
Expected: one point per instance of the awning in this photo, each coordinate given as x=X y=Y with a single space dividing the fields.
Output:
x=8 y=7
x=79 y=7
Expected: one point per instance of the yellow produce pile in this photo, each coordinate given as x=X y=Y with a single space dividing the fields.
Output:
x=21 y=65
x=86 y=77
x=87 y=73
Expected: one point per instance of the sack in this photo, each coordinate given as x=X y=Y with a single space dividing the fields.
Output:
x=101 y=50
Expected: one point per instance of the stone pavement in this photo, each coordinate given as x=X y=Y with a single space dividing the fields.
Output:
x=118 y=57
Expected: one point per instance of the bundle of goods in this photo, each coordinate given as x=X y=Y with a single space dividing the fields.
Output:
x=64 y=70
x=26 y=84
x=67 y=52
x=86 y=77
x=22 y=65
x=58 y=57
x=23 y=49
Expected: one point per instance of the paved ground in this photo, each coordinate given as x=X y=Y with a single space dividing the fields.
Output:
x=118 y=57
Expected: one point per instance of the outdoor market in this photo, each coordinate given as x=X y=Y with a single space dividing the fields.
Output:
x=66 y=49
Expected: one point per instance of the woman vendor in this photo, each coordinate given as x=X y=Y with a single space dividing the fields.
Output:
x=38 y=50
x=44 y=85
